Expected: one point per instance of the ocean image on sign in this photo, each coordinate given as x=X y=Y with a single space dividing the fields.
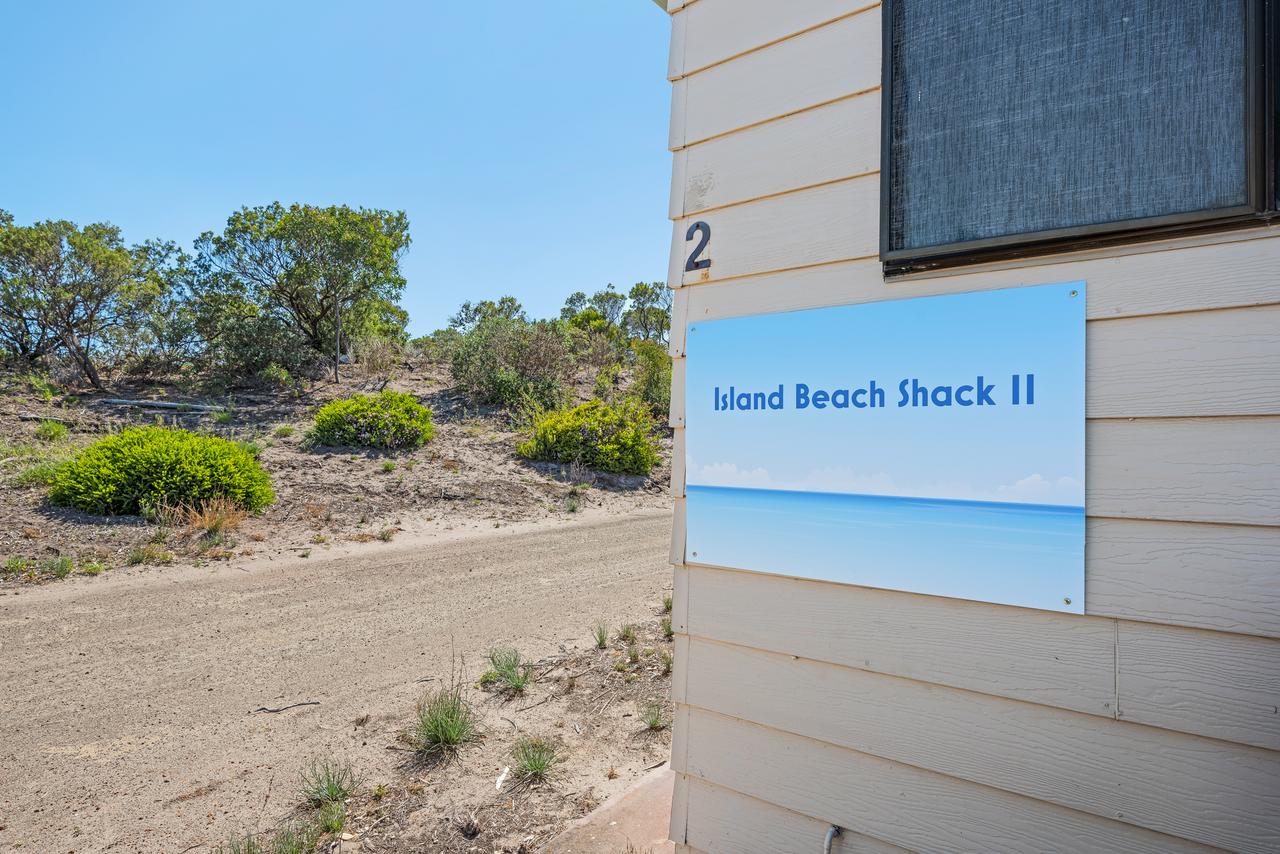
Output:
x=931 y=445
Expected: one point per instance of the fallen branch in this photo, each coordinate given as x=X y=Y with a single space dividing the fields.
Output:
x=286 y=708
x=159 y=404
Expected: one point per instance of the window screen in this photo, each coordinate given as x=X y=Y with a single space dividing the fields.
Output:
x=1018 y=122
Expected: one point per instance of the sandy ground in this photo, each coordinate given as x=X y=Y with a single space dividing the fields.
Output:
x=127 y=717
x=468 y=476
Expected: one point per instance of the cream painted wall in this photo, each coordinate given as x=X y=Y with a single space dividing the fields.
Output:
x=928 y=724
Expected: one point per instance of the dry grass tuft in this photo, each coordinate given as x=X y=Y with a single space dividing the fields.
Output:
x=214 y=517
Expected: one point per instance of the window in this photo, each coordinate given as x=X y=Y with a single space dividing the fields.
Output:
x=1012 y=128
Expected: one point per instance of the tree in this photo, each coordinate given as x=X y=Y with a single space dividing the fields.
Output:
x=648 y=317
x=63 y=287
x=310 y=264
x=576 y=302
x=610 y=304
x=470 y=315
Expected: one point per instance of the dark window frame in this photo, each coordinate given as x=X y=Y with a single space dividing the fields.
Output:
x=1262 y=130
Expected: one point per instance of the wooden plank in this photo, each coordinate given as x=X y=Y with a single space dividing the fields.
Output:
x=677 y=462
x=815 y=147
x=1228 y=274
x=677 y=532
x=680 y=669
x=900 y=804
x=818 y=226
x=675 y=419
x=1188 y=469
x=1043 y=657
x=813 y=68
x=1217 y=363
x=1210 y=683
x=718 y=30
x=680 y=600
x=678 y=45
x=1204 y=363
x=1214 y=792
x=677 y=830
x=722 y=821
x=1207 y=576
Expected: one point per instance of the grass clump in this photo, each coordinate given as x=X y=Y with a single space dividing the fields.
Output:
x=534 y=758
x=51 y=431
x=651 y=717
x=327 y=781
x=284 y=431
x=627 y=634
x=148 y=553
x=601 y=633
x=247 y=844
x=58 y=567
x=148 y=467
x=93 y=567
x=445 y=721
x=666 y=659
x=388 y=466
x=16 y=565
x=667 y=631
x=613 y=438
x=332 y=817
x=389 y=420
x=666 y=604
x=509 y=668
x=300 y=838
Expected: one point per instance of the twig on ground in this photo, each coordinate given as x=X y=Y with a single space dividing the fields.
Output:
x=286 y=708
x=534 y=705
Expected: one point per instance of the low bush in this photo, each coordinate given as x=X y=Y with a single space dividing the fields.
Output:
x=144 y=468
x=387 y=420
x=508 y=361
x=611 y=438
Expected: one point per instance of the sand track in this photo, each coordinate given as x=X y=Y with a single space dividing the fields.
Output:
x=126 y=719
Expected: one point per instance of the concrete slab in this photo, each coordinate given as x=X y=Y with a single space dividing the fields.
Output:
x=639 y=817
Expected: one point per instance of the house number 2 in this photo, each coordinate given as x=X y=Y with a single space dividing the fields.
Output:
x=694 y=262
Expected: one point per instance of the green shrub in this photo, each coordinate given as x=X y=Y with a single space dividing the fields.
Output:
x=58 y=567
x=653 y=376
x=605 y=383
x=611 y=438
x=51 y=431
x=145 y=468
x=507 y=361
x=388 y=420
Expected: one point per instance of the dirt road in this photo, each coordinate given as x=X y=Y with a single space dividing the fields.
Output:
x=127 y=717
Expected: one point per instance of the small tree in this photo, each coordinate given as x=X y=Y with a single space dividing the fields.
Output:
x=310 y=265
x=81 y=290
x=648 y=317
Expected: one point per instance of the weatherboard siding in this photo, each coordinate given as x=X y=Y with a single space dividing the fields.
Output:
x=927 y=724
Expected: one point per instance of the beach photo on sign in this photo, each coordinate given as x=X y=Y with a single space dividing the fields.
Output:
x=932 y=445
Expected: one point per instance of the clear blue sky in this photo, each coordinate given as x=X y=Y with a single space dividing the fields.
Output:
x=525 y=140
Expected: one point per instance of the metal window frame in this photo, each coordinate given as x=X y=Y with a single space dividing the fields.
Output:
x=1261 y=117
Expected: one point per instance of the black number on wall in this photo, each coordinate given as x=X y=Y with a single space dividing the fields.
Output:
x=694 y=262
